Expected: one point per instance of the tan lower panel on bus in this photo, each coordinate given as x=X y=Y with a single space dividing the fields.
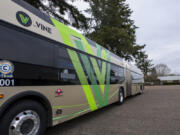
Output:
x=73 y=109
x=136 y=89
x=73 y=101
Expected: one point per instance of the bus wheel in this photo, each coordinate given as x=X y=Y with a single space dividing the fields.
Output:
x=26 y=117
x=121 y=97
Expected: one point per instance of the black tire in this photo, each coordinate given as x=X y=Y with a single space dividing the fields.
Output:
x=21 y=107
x=121 y=97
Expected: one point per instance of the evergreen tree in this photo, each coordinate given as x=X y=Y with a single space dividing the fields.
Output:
x=143 y=63
x=112 y=27
x=59 y=8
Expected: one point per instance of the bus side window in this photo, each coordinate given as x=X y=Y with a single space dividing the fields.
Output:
x=114 y=78
x=117 y=74
x=136 y=78
x=66 y=72
x=121 y=74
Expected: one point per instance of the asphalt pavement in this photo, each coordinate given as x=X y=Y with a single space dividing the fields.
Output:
x=156 y=112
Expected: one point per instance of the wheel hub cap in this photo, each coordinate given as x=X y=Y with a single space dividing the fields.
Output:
x=25 y=123
x=121 y=97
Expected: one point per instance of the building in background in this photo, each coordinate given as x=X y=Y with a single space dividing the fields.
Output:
x=163 y=80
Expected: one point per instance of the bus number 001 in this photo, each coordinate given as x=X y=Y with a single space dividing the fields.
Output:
x=6 y=82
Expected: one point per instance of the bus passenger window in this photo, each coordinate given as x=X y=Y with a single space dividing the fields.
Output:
x=117 y=74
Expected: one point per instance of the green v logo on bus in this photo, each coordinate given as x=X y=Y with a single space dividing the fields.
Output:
x=82 y=77
x=23 y=19
x=102 y=75
x=101 y=90
x=102 y=98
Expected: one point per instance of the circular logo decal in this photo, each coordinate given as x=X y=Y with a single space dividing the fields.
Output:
x=23 y=19
x=6 y=67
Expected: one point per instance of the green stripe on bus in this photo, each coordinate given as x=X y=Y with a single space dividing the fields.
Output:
x=108 y=74
x=108 y=55
x=68 y=106
x=88 y=47
x=90 y=73
x=104 y=54
x=98 y=50
x=66 y=32
x=100 y=74
x=61 y=28
x=107 y=86
x=71 y=115
x=93 y=79
x=79 y=45
x=82 y=77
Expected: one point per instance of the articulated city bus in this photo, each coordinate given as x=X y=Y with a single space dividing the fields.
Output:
x=50 y=73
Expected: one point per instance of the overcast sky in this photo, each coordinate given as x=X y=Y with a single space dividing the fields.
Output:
x=159 y=29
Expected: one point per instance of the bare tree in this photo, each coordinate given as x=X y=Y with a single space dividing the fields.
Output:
x=162 y=69
x=151 y=76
